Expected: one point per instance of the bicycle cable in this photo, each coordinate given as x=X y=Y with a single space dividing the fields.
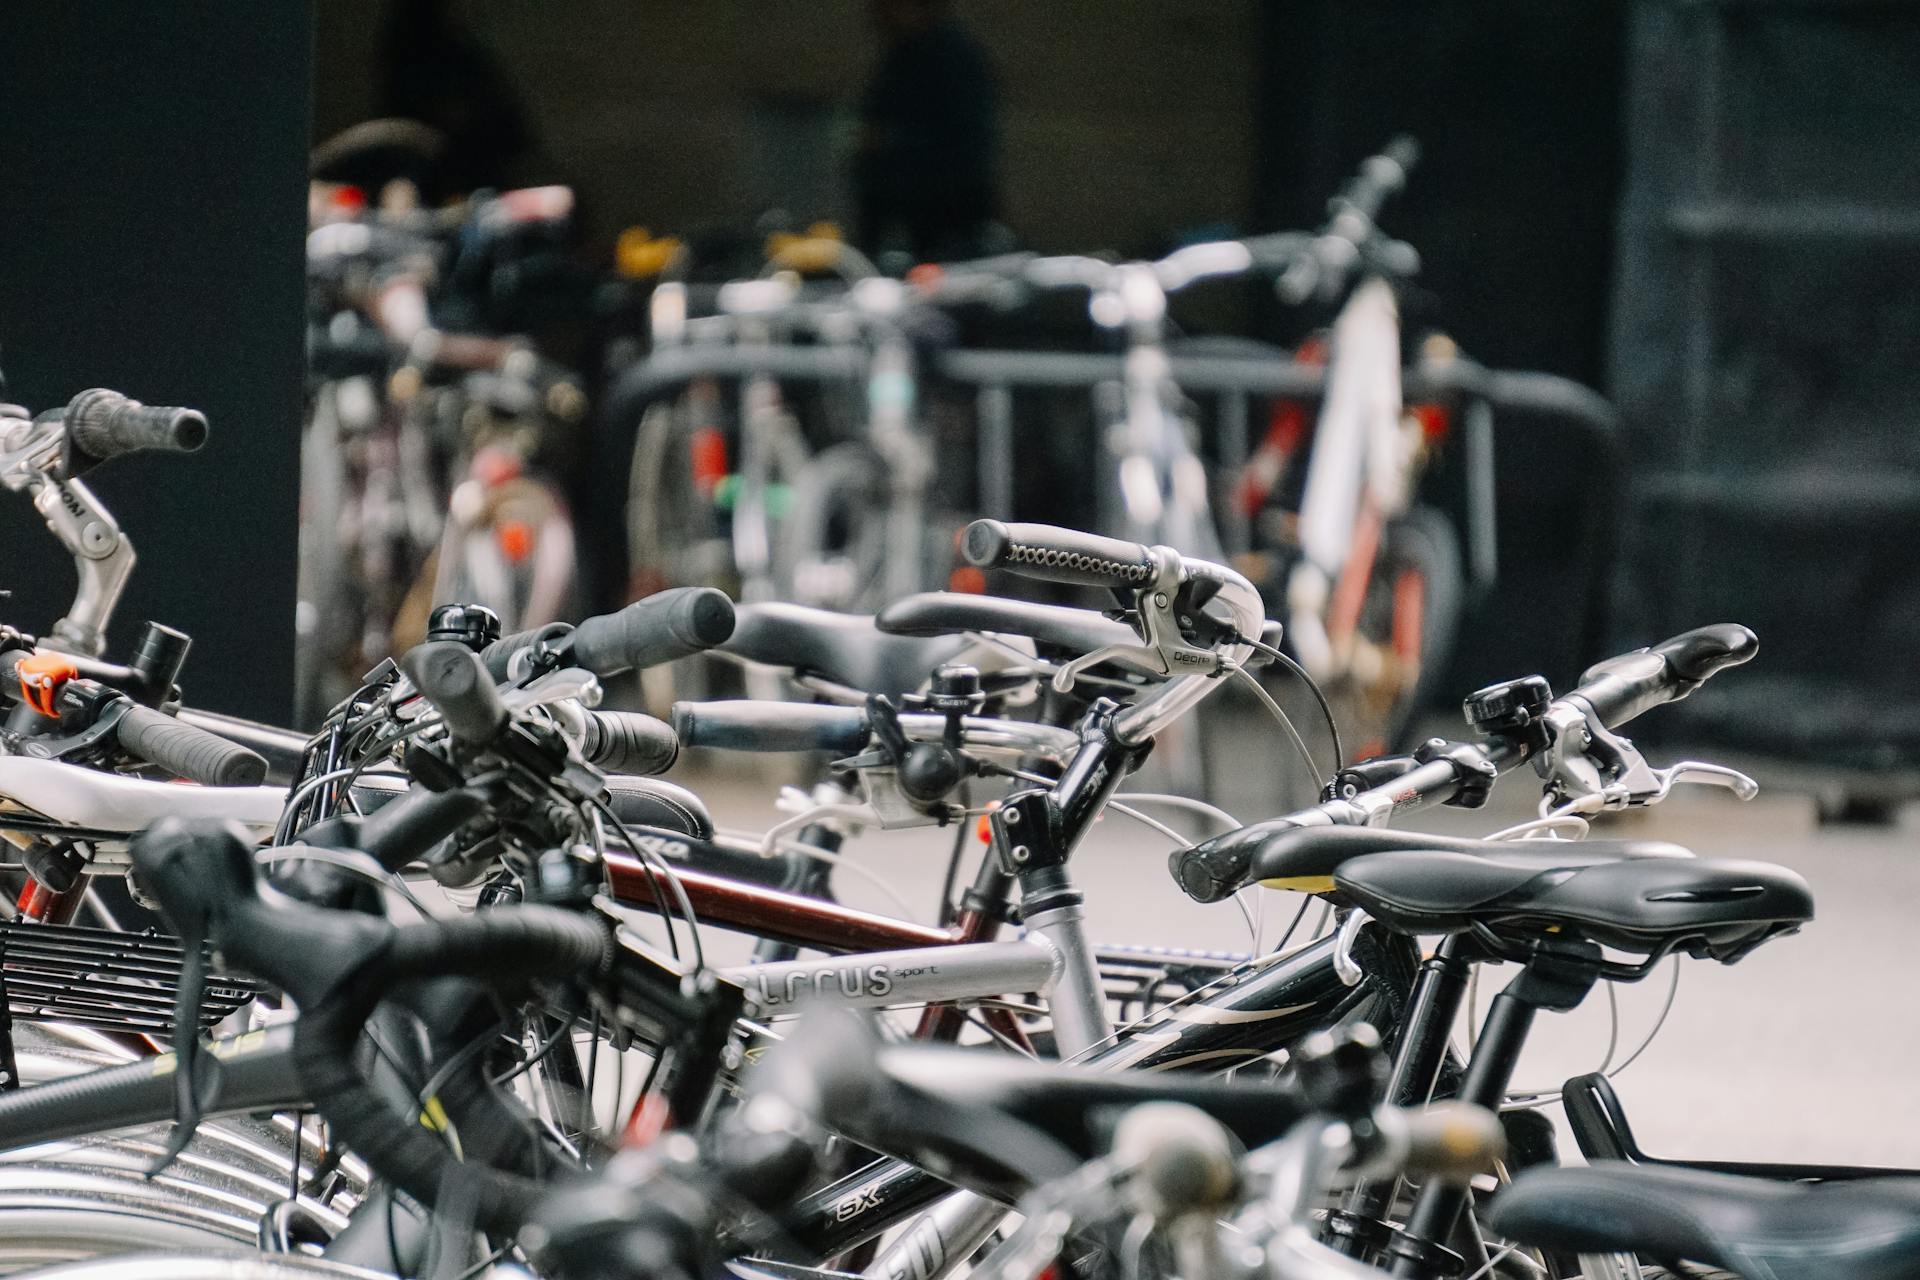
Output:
x=1313 y=687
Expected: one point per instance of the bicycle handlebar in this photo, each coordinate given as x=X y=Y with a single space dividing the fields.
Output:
x=629 y=742
x=1623 y=687
x=750 y=725
x=104 y=424
x=338 y=966
x=451 y=677
x=672 y=624
x=1058 y=555
x=186 y=751
x=1615 y=690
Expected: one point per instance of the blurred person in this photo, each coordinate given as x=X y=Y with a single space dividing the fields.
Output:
x=435 y=71
x=926 y=178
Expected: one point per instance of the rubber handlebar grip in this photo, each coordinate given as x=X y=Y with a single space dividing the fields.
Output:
x=1053 y=554
x=1621 y=688
x=629 y=742
x=672 y=624
x=676 y=623
x=398 y=832
x=187 y=752
x=451 y=677
x=105 y=424
x=748 y=725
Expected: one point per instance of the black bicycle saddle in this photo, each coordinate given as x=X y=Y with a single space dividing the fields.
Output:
x=842 y=648
x=1284 y=856
x=1709 y=907
x=1756 y=1228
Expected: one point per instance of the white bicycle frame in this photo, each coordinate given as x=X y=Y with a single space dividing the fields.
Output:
x=1359 y=461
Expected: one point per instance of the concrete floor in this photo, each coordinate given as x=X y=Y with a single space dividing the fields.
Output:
x=1805 y=1050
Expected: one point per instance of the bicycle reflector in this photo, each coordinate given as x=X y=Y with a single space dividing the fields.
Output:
x=41 y=678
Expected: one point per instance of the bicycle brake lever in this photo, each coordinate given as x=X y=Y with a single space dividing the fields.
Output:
x=1165 y=651
x=1712 y=775
x=189 y=1063
x=1344 y=964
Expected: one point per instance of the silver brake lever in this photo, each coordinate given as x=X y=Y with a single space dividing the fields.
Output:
x=1165 y=652
x=1343 y=962
x=1712 y=775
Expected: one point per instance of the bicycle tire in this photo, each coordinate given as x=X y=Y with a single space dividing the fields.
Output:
x=669 y=519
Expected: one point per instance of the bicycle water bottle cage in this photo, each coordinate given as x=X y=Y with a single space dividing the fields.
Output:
x=1165 y=610
x=1587 y=762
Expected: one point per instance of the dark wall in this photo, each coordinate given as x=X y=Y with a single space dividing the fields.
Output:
x=1121 y=119
x=152 y=210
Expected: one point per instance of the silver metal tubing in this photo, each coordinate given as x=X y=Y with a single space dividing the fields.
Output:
x=1078 y=1001
x=914 y=975
x=938 y=1240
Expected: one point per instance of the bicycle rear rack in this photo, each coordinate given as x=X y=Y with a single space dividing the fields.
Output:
x=125 y=982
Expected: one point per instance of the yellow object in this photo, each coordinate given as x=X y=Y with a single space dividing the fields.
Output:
x=638 y=254
x=816 y=250
x=434 y=1116
x=1301 y=884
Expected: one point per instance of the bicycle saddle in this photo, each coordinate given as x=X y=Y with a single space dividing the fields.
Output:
x=1283 y=856
x=843 y=648
x=1712 y=908
x=1052 y=626
x=1759 y=1229
x=649 y=802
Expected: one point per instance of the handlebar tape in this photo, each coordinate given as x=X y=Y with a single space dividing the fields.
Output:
x=187 y=752
x=676 y=623
x=748 y=725
x=1053 y=554
x=105 y=424
x=339 y=966
x=511 y=945
x=450 y=676
x=629 y=742
x=1621 y=688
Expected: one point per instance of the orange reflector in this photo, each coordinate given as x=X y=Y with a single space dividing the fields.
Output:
x=41 y=677
x=515 y=538
x=967 y=579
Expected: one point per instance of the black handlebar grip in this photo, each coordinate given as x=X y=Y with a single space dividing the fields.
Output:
x=676 y=623
x=1053 y=554
x=747 y=725
x=1621 y=688
x=451 y=677
x=671 y=624
x=105 y=424
x=398 y=832
x=1214 y=870
x=187 y=752
x=629 y=742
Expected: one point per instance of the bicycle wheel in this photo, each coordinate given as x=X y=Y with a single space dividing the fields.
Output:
x=1396 y=618
x=675 y=535
x=836 y=540
x=508 y=546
